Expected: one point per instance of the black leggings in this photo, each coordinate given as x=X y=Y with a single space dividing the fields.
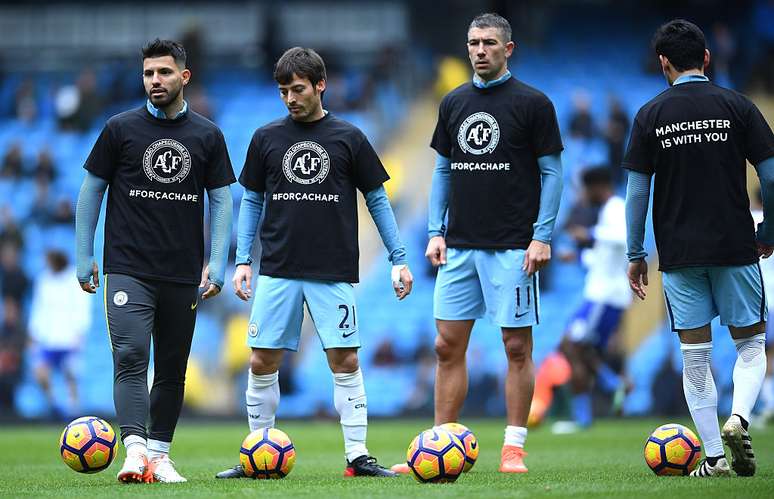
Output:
x=138 y=310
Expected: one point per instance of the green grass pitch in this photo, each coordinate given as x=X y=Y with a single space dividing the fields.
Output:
x=605 y=461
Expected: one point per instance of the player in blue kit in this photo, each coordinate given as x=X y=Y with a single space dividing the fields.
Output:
x=303 y=172
x=695 y=139
x=498 y=178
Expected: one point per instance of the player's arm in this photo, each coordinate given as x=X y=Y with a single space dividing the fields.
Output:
x=250 y=210
x=221 y=207
x=439 y=205
x=379 y=207
x=637 y=200
x=765 y=233
x=86 y=217
x=538 y=253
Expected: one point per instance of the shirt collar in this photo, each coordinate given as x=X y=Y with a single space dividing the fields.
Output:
x=480 y=83
x=689 y=78
x=158 y=113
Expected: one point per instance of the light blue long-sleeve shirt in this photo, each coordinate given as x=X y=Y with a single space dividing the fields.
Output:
x=251 y=209
x=550 y=196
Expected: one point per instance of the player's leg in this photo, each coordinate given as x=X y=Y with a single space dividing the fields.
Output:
x=69 y=372
x=458 y=302
x=275 y=326
x=742 y=307
x=175 y=321
x=576 y=346
x=44 y=359
x=130 y=306
x=332 y=308
x=512 y=302
x=691 y=308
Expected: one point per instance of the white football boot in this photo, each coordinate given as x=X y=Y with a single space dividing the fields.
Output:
x=738 y=441
x=162 y=469
x=134 y=469
x=721 y=469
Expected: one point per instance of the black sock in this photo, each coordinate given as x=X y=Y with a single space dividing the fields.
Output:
x=712 y=461
x=745 y=423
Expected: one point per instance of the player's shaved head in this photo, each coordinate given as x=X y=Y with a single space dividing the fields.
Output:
x=492 y=20
x=682 y=42
x=302 y=62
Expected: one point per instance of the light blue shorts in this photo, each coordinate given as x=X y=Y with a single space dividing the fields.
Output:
x=478 y=282
x=696 y=295
x=278 y=311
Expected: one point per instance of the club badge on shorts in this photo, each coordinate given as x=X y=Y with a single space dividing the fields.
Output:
x=120 y=298
x=252 y=330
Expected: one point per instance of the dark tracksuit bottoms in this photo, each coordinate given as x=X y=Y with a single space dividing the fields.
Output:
x=139 y=310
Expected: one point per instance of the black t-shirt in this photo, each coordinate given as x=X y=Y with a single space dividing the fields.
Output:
x=695 y=137
x=158 y=171
x=493 y=137
x=309 y=172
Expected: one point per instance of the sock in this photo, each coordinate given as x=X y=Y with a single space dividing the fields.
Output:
x=749 y=371
x=581 y=409
x=349 y=397
x=262 y=398
x=608 y=380
x=158 y=448
x=515 y=435
x=135 y=444
x=701 y=395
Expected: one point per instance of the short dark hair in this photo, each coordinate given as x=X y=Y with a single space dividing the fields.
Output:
x=161 y=48
x=492 y=20
x=682 y=42
x=598 y=175
x=302 y=62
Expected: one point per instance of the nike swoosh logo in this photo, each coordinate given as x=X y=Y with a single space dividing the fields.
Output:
x=519 y=316
x=194 y=305
x=358 y=397
x=345 y=335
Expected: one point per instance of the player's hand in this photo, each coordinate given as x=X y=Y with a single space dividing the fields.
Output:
x=436 y=251
x=764 y=250
x=638 y=277
x=536 y=257
x=402 y=281
x=92 y=285
x=213 y=289
x=243 y=273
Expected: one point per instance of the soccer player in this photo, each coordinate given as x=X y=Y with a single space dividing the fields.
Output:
x=695 y=138
x=157 y=160
x=498 y=174
x=305 y=169
x=606 y=297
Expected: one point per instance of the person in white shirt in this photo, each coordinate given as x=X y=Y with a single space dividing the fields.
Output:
x=606 y=297
x=766 y=413
x=59 y=319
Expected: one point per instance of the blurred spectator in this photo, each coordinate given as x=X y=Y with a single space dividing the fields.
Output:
x=12 y=340
x=77 y=105
x=13 y=282
x=723 y=52
x=25 y=102
x=192 y=40
x=616 y=132
x=385 y=354
x=60 y=317
x=198 y=101
x=764 y=27
x=13 y=163
x=44 y=169
x=581 y=122
x=43 y=207
x=63 y=212
x=10 y=233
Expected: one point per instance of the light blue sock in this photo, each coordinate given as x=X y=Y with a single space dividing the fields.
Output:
x=581 y=409
x=608 y=379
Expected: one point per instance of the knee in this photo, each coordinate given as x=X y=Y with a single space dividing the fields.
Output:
x=264 y=362
x=132 y=356
x=344 y=361
x=448 y=351
x=518 y=349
